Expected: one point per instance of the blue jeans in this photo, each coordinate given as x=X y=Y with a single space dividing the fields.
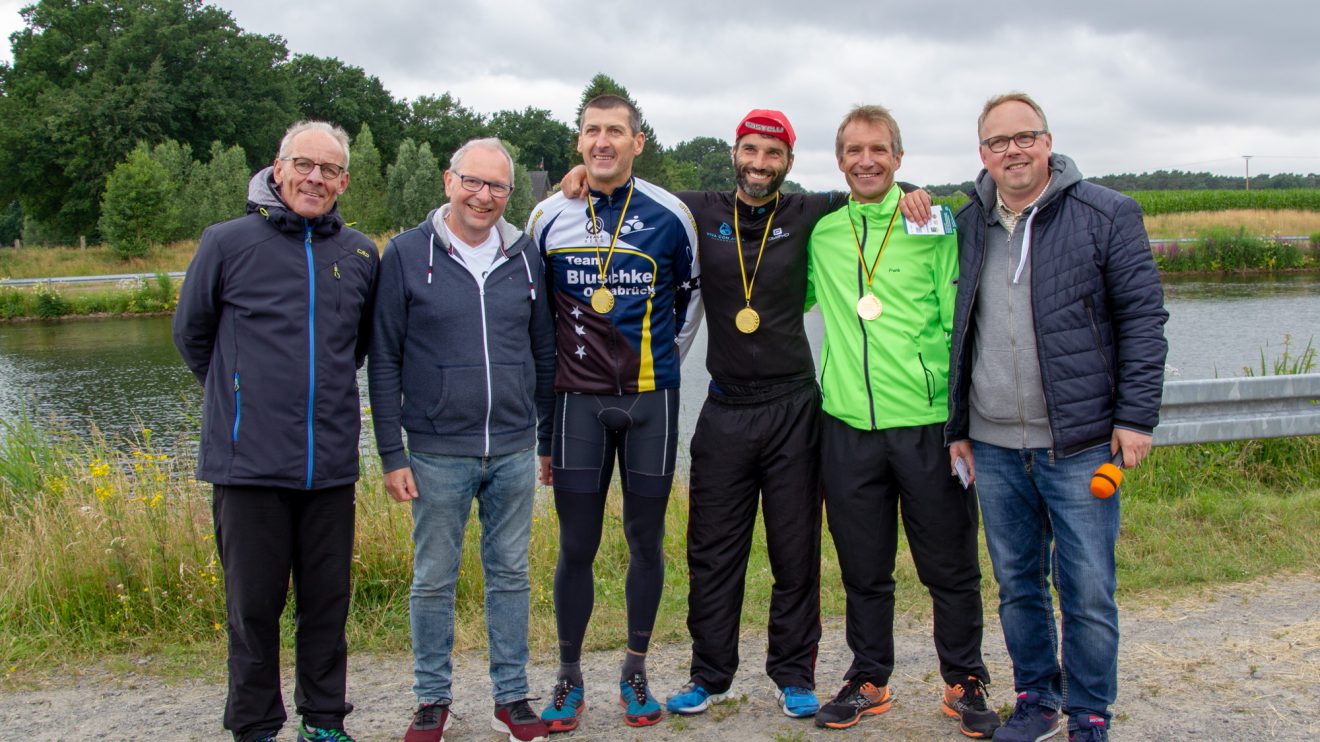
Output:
x=503 y=487
x=1040 y=517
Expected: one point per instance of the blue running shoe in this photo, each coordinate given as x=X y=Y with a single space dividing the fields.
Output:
x=1031 y=721
x=308 y=733
x=693 y=699
x=798 y=703
x=640 y=709
x=567 y=702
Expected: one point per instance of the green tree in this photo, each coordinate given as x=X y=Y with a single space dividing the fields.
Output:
x=177 y=160
x=366 y=202
x=681 y=176
x=91 y=78
x=217 y=191
x=710 y=157
x=415 y=184
x=520 y=201
x=544 y=143
x=131 y=215
x=11 y=224
x=330 y=90
x=650 y=164
x=444 y=123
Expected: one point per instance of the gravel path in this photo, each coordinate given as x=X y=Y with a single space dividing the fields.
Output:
x=1239 y=662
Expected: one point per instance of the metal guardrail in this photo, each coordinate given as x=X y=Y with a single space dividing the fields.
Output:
x=115 y=278
x=1211 y=410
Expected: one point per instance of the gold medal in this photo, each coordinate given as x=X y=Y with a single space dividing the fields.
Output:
x=602 y=300
x=747 y=320
x=869 y=307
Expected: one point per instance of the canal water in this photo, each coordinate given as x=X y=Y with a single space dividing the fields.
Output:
x=120 y=376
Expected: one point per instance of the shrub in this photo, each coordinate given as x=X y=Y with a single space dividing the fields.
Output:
x=50 y=303
x=134 y=208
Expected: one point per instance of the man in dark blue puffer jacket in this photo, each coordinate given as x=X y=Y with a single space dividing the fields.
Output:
x=1057 y=363
x=273 y=319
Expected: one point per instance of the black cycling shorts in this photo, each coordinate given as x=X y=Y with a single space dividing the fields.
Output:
x=591 y=429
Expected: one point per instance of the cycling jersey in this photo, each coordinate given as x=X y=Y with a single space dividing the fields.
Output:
x=637 y=345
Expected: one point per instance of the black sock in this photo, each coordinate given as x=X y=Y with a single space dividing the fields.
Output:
x=633 y=664
x=572 y=671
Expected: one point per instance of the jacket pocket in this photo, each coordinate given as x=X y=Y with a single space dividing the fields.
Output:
x=929 y=380
x=512 y=410
x=460 y=407
x=1089 y=302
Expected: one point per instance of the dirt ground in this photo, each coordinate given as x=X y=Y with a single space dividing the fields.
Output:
x=1236 y=662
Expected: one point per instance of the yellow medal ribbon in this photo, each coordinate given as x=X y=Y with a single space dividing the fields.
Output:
x=605 y=302
x=868 y=305
x=747 y=318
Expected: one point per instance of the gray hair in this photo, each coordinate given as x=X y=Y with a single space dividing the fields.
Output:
x=336 y=132
x=998 y=100
x=490 y=143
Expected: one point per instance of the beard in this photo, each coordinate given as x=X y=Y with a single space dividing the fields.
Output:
x=759 y=191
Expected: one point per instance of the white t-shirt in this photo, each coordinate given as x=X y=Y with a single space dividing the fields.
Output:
x=481 y=259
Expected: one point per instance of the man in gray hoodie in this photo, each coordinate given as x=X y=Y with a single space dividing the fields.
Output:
x=1057 y=365
x=462 y=358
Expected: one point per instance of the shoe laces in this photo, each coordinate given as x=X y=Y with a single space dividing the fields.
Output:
x=973 y=693
x=559 y=696
x=1022 y=710
x=428 y=714
x=520 y=712
x=851 y=693
x=637 y=682
x=328 y=733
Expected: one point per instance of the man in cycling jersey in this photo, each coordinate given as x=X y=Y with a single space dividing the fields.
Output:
x=622 y=275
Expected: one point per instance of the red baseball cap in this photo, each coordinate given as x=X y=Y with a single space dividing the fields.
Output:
x=768 y=122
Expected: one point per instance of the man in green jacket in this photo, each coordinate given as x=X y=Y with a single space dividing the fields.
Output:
x=886 y=289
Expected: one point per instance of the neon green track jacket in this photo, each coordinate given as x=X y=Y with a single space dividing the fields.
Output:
x=892 y=371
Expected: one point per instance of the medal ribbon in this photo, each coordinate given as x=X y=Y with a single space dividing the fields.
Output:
x=742 y=268
x=861 y=247
x=603 y=268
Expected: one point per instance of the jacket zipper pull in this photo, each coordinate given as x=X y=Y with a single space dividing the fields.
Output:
x=336 y=271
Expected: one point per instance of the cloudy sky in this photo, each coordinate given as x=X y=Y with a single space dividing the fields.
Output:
x=1128 y=86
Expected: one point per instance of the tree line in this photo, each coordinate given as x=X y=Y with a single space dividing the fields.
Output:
x=157 y=90
x=112 y=106
x=1172 y=180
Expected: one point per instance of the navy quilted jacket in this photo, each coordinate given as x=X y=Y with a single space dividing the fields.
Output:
x=1097 y=306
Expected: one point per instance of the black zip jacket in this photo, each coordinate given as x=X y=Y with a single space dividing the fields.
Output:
x=273 y=319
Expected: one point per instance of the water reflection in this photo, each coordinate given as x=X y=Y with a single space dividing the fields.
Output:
x=123 y=374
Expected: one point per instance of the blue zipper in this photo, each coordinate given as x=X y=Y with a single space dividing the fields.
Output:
x=311 y=349
x=238 y=407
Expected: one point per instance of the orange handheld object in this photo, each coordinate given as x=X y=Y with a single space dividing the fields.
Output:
x=1107 y=479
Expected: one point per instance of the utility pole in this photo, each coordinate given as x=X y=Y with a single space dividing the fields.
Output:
x=1246 y=163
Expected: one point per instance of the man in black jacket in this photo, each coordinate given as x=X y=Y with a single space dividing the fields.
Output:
x=273 y=320
x=1057 y=364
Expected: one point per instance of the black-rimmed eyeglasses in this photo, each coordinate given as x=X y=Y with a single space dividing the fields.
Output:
x=497 y=189
x=1023 y=139
x=304 y=166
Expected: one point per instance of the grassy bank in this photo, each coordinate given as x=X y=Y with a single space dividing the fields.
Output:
x=110 y=552
x=140 y=296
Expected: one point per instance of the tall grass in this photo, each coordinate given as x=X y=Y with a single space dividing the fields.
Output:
x=1224 y=250
x=141 y=296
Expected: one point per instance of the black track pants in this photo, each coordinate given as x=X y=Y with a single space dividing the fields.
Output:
x=264 y=535
x=870 y=478
x=745 y=455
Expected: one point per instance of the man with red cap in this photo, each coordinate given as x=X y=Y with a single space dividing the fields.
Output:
x=756 y=437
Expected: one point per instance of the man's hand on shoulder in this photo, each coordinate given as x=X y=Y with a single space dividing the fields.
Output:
x=574 y=182
x=915 y=206
x=399 y=483
x=1135 y=446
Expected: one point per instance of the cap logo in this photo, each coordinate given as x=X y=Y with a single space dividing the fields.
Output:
x=767 y=128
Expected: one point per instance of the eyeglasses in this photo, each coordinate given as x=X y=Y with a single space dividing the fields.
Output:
x=1023 y=139
x=304 y=166
x=497 y=189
